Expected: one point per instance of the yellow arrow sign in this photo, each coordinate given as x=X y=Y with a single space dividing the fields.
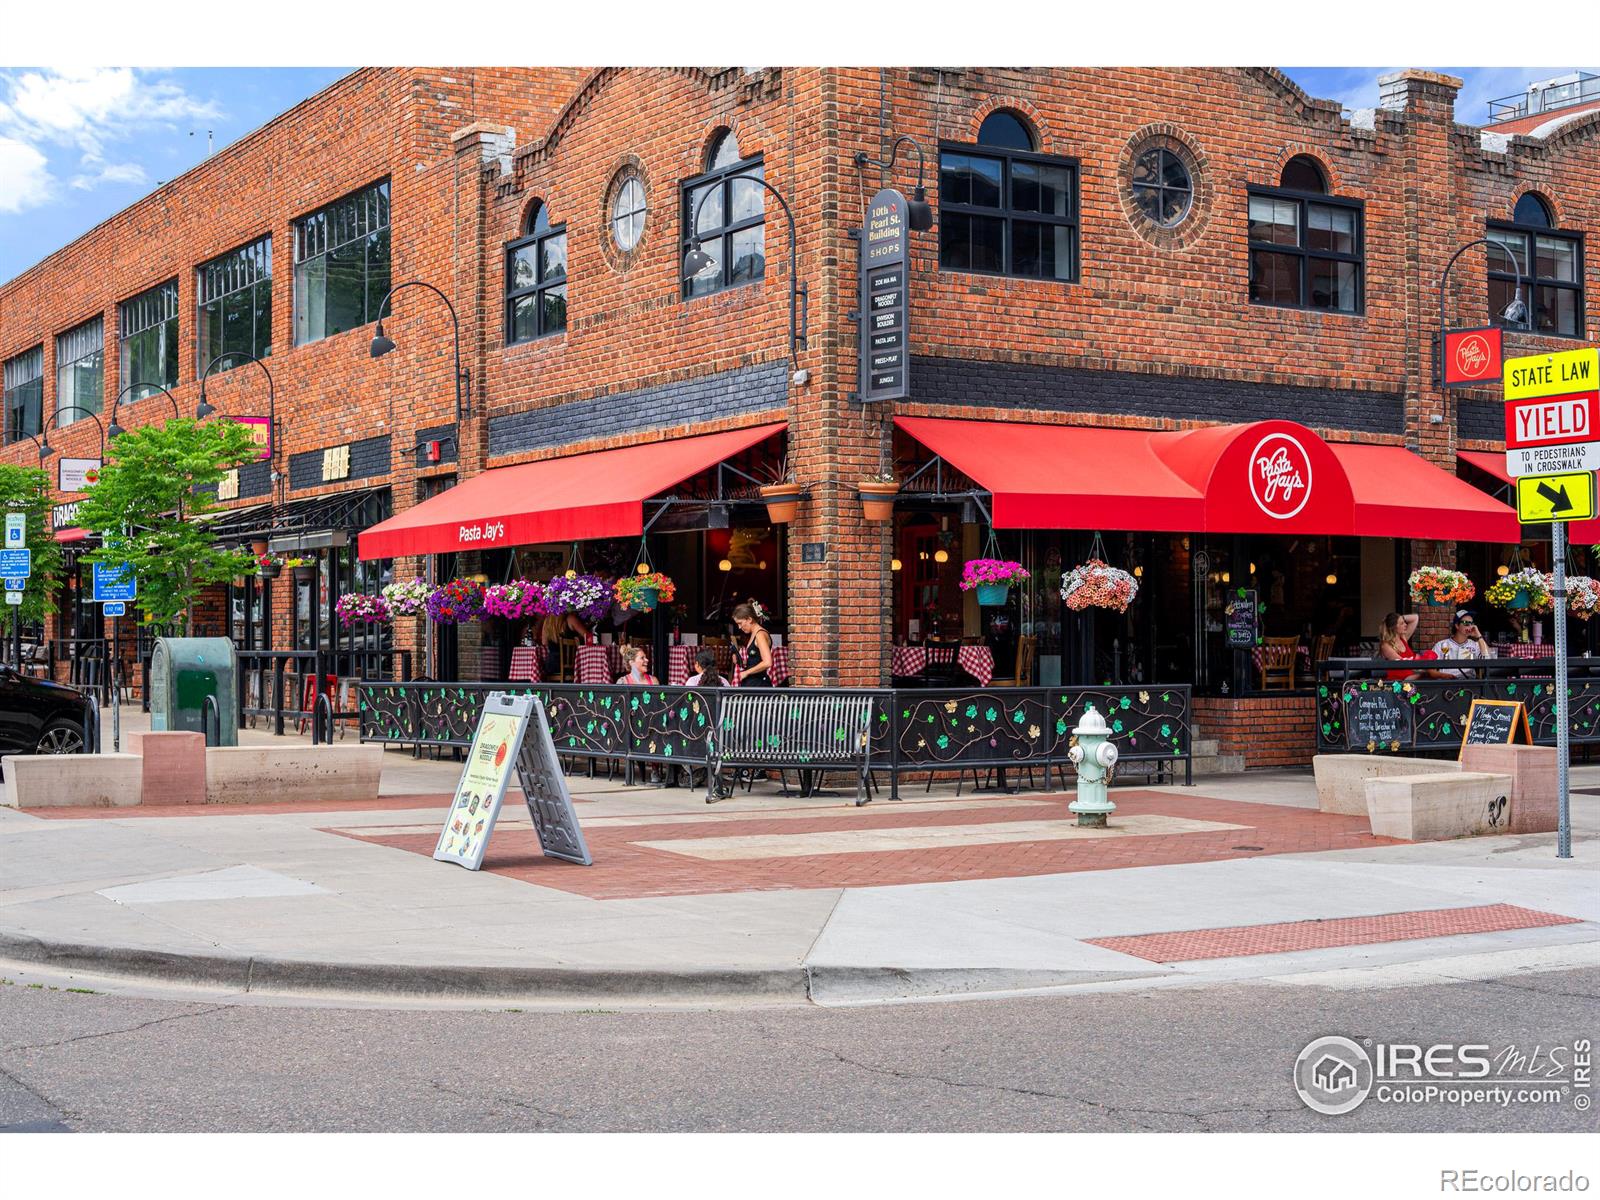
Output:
x=1552 y=374
x=1565 y=497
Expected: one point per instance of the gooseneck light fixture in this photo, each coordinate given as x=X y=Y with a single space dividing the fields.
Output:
x=113 y=430
x=1515 y=312
x=699 y=260
x=919 y=213
x=46 y=449
x=382 y=343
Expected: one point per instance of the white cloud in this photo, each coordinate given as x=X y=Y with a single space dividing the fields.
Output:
x=24 y=176
x=87 y=109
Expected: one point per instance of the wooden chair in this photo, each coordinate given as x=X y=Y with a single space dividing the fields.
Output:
x=1279 y=657
x=1027 y=655
x=567 y=652
x=1321 y=649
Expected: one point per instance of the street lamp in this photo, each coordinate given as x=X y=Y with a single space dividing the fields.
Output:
x=205 y=408
x=46 y=449
x=1514 y=312
x=113 y=430
x=382 y=344
x=698 y=260
x=919 y=213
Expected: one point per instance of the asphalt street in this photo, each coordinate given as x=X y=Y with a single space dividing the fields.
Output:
x=1190 y=1059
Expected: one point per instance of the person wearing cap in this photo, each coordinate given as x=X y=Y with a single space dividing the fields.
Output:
x=1464 y=642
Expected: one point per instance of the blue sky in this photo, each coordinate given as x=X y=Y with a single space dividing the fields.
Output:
x=78 y=145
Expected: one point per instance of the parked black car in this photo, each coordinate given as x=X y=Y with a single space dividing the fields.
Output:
x=38 y=716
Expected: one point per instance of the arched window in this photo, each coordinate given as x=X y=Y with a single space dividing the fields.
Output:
x=1550 y=264
x=1302 y=173
x=1004 y=210
x=1005 y=131
x=726 y=208
x=536 y=278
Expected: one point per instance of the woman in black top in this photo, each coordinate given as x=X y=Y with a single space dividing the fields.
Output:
x=753 y=656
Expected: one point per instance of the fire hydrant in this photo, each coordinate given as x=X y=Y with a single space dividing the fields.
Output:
x=1093 y=755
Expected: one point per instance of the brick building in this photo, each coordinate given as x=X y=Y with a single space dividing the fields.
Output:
x=1136 y=276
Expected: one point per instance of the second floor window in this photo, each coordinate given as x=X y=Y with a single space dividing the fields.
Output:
x=148 y=341
x=341 y=264
x=80 y=371
x=536 y=280
x=1551 y=266
x=1004 y=210
x=1306 y=249
x=24 y=389
x=728 y=211
x=234 y=294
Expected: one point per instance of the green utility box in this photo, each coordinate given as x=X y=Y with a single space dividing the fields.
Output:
x=183 y=672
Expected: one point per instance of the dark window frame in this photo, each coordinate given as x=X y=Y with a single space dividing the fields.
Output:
x=1533 y=281
x=141 y=314
x=13 y=385
x=1160 y=190
x=540 y=285
x=250 y=268
x=313 y=239
x=718 y=241
x=96 y=348
x=1304 y=200
x=1007 y=215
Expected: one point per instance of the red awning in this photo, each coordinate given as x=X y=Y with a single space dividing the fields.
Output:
x=556 y=500
x=71 y=534
x=1264 y=477
x=1493 y=462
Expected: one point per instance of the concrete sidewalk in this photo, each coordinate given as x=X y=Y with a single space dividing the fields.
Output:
x=774 y=899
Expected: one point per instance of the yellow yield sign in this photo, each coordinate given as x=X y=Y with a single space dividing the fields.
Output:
x=1564 y=497
x=1552 y=374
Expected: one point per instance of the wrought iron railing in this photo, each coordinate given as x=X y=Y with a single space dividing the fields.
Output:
x=914 y=730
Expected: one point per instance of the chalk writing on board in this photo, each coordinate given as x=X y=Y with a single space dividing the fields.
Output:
x=1378 y=719
x=1492 y=724
x=1243 y=630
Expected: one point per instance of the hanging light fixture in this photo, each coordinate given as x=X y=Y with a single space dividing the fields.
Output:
x=1502 y=570
x=1138 y=572
x=643 y=568
x=941 y=555
x=724 y=565
x=1227 y=577
x=894 y=564
x=1252 y=569
x=1332 y=579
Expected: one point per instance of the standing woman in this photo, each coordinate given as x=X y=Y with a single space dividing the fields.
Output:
x=753 y=656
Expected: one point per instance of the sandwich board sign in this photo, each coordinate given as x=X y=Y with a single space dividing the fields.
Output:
x=1495 y=723
x=513 y=734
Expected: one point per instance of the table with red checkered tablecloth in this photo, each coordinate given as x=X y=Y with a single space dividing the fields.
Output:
x=779 y=670
x=526 y=664
x=598 y=664
x=680 y=662
x=1525 y=650
x=977 y=661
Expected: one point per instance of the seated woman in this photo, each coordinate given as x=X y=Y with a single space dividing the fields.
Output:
x=637 y=661
x=1394 y=643
x=707 y=675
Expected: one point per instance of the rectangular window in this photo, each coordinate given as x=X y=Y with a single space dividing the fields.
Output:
x=148 y=341
x=234 y=297
x=731 y=225
x=1006 y=213
x=24 y=393
x=536 y=284
x=1305 y=251
x=341 y=264
x=1551 y=266
x=80 y=371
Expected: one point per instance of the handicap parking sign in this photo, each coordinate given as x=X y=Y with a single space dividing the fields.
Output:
x=16 y=564
x=16 y=585
x=112 y=581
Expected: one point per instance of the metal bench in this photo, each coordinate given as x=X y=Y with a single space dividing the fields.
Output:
x=801 y=732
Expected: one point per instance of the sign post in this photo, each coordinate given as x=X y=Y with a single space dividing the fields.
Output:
x=1558 y=551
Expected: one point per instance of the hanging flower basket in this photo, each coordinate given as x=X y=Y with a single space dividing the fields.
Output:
x=1439 y=586
x=267 y=566
x=641 y=593
x=1527 y=590
x=877 y=499
x=782 y=501
x=1583 y=596
x=303 y=569
x=1096 y=585
x=583 y=595
x=407 y=597
x=513 y=600
x=992 y=579
x=456 y=603
x=358 y=608
x=258 y=547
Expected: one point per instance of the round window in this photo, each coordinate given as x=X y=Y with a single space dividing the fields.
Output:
x=628 y=213
x=1162 y=187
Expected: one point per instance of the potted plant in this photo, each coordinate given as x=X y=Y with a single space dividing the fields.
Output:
x=1527 y=590
x=1440 y=586
x=268 y=565
x=407 y=597
x=782 y=494
x=877 y=493
x=358 y=608
x=641 y=593
x=584 y=595
x=1583 y=596
x=1097 y=585
x=513 y=600
x=456 y=603
x=991 y=578
x=303 y=569
x=258 y=547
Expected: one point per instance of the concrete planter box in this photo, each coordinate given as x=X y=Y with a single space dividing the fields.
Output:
x=1342 y=778
x=72 y=780
x=1533 y=782
x=267 y=774
x=1431 y=808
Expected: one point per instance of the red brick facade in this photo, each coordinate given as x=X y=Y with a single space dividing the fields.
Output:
x=467 y=151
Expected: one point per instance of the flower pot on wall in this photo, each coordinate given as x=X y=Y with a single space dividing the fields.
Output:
x=782 y=501
x=877 y=500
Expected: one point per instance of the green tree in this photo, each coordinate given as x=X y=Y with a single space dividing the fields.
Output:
x=27 y=490
x=155 y=481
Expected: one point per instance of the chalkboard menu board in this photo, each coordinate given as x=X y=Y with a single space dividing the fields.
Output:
x=1378 y=719
x=1495 y=723
x=1243 y=629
